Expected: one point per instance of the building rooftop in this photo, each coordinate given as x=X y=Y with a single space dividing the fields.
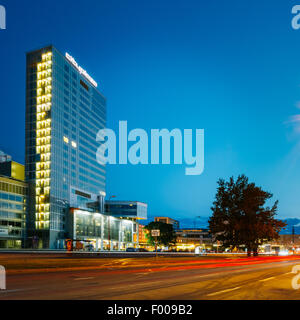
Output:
x=4 y=157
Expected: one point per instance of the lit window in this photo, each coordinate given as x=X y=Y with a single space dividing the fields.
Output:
x=66 y=140
x=74 y=144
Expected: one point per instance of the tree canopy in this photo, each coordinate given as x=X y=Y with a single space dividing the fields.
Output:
x=239 y=216
x=167 y=233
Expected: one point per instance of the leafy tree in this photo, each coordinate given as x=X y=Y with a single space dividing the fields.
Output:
x=240 y=216
x=167 y=233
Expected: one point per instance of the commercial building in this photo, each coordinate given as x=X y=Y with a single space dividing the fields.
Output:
x=4 y=157
x=13 y=191
x=103 y=232
x=12 y=169
x=143 y=241
x=127 y=209
x=64 y=112
x=190 y=238
x=168 y=220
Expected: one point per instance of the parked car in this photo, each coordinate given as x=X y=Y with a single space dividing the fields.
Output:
x=141 y=250
x=130 y=250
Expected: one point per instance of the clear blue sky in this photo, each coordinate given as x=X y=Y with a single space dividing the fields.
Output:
x=230 y=67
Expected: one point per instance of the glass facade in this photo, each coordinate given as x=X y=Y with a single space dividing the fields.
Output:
x=104 y=232
x=64 y=112
x=12 y=212
x=126 y=209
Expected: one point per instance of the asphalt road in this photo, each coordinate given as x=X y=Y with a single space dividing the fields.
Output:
x=166 y=278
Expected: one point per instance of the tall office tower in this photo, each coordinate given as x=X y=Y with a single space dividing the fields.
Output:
x=64 y=112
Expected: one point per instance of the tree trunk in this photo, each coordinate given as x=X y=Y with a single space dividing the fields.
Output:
x=255 y=252
x=249 y=251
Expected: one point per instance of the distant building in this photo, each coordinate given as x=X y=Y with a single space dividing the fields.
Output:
x=168 y=220
x=127 y=209
x=189 y=238
x=287 y=240
x=142 y=236
x=4 y=157
x=13 y=199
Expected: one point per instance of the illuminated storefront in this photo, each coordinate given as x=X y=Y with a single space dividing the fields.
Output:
x=190 y=238
x=101 y=231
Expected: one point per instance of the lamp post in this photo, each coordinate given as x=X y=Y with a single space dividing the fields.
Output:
x=109 y=224
x=200 y=240
x=293 y=239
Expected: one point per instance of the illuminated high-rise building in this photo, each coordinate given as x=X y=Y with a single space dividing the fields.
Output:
x=64 y=112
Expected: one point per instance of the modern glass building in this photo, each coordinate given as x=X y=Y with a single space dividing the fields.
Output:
x=64 y=112
x=13 y=191
x=127 y=209
x=103 y=232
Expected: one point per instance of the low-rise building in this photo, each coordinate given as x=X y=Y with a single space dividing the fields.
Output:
x=13 y=198
x=101 y=231
x=4 y=157
x=113 y=226
x=190 y=238
x=285 y=242
x=143 y=241
x=173 y=222
x=129 y=210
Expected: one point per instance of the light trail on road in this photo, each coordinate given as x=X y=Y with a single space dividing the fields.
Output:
x=199 y=278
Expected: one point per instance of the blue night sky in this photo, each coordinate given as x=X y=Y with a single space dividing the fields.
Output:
x=229 y=67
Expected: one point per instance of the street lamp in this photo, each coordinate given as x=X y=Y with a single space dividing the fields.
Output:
x=109 y=225
x=201 y=237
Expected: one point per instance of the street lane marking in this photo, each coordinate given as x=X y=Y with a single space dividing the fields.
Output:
x=15 y=290
x=223 y=291
x=9 y=291
x=262 y=280
x=143 y=273
x=77 y=279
